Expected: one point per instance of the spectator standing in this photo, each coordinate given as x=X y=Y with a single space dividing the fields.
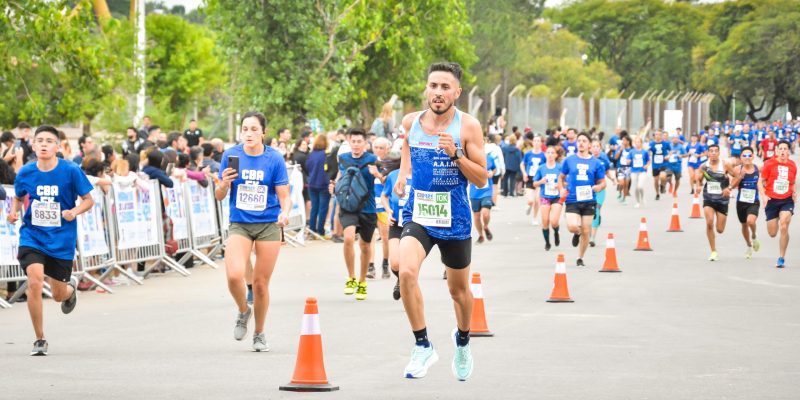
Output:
x=193 y=135
x=512 y=157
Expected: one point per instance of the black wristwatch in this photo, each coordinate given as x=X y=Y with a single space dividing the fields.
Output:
x=459 y=155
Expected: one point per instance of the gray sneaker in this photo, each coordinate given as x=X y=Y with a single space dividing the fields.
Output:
x=241 y=324
x=69 y=304
x=39 y=348
x=260 y=342
x=371 y=271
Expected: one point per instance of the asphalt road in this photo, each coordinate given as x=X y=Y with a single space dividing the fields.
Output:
x=671 y=326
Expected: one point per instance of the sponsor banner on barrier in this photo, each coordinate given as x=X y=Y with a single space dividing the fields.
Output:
x=137 y=222
x=175 y=205
x=203 y=211
x=225 y=207
x=91 y=228
x=296 y=194
x=9 y=233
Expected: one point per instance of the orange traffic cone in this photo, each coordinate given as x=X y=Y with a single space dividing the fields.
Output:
x=675 y=224
x=610 y=263
x=560 y=292
x=477 y=325
x=309 y=369
x=696 y=207
x=644 y=240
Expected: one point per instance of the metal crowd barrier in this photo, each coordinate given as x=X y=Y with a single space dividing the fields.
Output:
x=202 y=221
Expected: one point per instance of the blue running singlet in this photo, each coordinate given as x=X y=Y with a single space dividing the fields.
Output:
x=438 y=199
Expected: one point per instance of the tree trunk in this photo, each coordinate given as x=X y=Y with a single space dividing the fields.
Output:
x=366 y=115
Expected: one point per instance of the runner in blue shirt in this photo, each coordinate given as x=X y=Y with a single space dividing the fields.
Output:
x=676 y=155
x=546 y=180
x=736 y=141
x=444 y=150
x=582 y=176
x=49 y=231
x=393 y=204
x=659 y=150
x=259 y=209
x=570 y=145
x=745 y=178
x=480 y=199
x=597 y=152
x=533 y=158
x=623 y=161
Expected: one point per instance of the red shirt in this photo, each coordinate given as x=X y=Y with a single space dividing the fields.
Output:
x=768 y=148
x=779 y=178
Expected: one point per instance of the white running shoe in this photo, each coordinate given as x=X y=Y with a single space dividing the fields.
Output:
x=462 y=360
x=260 y=342
x=713 y=256
x=240 y=330
x=421 y=359
x=756 y=245
x=748 y=254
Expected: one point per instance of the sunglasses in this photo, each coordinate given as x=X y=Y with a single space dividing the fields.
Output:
x=747 y=156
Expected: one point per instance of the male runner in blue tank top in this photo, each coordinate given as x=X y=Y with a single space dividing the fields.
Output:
x=443 y=151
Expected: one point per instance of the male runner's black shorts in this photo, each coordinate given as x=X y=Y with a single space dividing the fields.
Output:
x=719 y=207
x=775 y=206
x=55 y=268
x=744 y=209
x=658 y=171
x=584 y=209
x=395 y=231
x=456 y=254
x=365 y=223
x=529 y=183
x=496 y=179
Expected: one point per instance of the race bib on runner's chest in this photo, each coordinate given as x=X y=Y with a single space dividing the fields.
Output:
x=780 y=186
x=583 y=193
x=251 y=197
x=432 y=209
x=714 y=188
x=638 y=162
x=45 y=213
x=747 y=195
x=658 y=159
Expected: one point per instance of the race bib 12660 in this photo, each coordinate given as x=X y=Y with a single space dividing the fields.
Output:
x=251 y=197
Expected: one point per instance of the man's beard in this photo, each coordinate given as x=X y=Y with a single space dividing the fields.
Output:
x=443 y=111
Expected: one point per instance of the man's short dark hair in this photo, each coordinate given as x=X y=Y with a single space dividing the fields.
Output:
x=747 y=148
x=173 y=136
x=192 y=120
x=23 y=125
x=131 y=129
x=153 y=128
x=584 y=134
x=208 y=149
x=81 y=140
x=357 y=132
x=783 y=142
x=711 y=146
x=44 y=128
x=451 y=67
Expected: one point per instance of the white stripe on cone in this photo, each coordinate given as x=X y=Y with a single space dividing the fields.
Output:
x=642 y=227
x=610 y=243
x=477 y=290
x=310 y=325
x=561 y=268
x=695 y=200
x=674 y=210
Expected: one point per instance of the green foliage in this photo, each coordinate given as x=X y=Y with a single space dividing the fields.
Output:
x=182 y=67
x=554 y=59
x=647 y=42
x=773 y=73
x=297 y=60
x=55 y=66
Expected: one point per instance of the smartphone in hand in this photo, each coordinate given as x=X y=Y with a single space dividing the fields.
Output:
x=233 y=162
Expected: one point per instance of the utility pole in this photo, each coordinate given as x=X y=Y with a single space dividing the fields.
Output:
x=139 y=61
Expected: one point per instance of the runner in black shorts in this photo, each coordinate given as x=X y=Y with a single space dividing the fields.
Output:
x=49 y=228
x=716 y=195
x=745 y=177
x=393 y=204
x=444 y=150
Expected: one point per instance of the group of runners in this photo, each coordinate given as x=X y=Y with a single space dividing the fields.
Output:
x=443 y=186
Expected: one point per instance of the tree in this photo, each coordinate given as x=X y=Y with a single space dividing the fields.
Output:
x=182 y=67
x=333 y=57
x=552 y=59
x=55 y=65
x=647 y=42
x=763 y=50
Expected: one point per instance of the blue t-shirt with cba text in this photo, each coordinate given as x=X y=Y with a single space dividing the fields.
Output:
x=253 y=199
x=51 y=193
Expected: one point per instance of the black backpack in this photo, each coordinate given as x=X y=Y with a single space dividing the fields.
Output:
x=351 y=190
